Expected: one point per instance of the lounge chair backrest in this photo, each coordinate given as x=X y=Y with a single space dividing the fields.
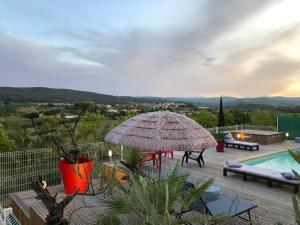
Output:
x=229 y=137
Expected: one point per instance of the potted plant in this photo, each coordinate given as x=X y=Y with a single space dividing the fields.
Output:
x=131 y=162
x=75 y=169
x=220 y=138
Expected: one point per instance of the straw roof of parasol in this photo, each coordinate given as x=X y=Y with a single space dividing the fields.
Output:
x=161 y=130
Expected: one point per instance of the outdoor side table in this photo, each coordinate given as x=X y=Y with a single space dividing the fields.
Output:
x=109 y=171
x=211 y=194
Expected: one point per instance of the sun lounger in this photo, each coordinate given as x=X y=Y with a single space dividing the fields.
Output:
x=231 y=142
x=225 y=206
x=277 y=177
x=230 y=206
x=269 y=175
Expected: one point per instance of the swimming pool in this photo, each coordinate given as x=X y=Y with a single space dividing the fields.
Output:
x=282 y=162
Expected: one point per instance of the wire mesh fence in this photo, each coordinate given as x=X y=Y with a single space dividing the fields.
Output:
x=19 y=168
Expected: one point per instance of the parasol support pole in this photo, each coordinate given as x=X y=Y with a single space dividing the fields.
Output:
x=122 y=152
x=159 y=164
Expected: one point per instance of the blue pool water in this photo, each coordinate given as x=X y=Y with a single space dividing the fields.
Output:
x=282 y=162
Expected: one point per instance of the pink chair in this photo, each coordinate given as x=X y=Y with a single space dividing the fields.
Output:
x=150 y=156
x=168 y=151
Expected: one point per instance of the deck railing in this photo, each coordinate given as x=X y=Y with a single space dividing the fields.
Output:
x=19 y=168
x=241 y=127
x=259 y=127
x=7 y=217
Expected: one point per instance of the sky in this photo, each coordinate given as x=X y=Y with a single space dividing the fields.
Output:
x=163 y=48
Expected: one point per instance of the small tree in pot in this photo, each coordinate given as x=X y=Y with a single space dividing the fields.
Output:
x=75 y=169
x=220 y=138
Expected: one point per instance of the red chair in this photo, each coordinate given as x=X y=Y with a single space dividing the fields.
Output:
x=150 y=156
x=168 y=151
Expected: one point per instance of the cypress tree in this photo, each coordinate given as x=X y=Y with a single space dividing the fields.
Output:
x=221 y=122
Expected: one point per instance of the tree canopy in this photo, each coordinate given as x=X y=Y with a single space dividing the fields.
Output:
x=205 y=118
x=6 y=144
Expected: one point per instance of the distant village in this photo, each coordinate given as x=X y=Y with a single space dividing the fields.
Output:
x=125 y=109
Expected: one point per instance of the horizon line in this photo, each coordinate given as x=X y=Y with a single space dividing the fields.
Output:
x=153 y=96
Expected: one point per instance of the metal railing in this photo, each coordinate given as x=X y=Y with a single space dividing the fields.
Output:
x=259 y=127
x=241 y=127
x=7 y=217
x=19 y=168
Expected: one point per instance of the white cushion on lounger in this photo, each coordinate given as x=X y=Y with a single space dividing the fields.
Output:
x=245 y=143
x=230 y=141
x=241 y=169
x=259 y=171
x=229 y=138
x=233 y=164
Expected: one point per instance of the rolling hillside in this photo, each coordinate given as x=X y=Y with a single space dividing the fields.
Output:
x=41 y=94
x=272 y=101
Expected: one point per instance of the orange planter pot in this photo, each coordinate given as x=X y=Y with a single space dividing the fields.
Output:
x=76 y=177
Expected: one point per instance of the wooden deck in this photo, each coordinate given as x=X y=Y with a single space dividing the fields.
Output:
x=30 y=211
x=274 y=204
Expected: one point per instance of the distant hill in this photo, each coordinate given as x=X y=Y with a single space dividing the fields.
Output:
x=232 y=101
x=42 y=94
x=203 y=100
x=51 y=95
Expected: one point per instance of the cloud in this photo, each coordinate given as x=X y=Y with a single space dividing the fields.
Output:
x=189 y=60
x=270 y=76
x=29 y=63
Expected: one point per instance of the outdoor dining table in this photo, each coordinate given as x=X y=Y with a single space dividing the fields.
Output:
x=230 y=206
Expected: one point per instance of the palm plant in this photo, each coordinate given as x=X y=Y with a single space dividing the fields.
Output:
x=131 y=163
x=221 y=136
x=149 y=201
x=132 y=157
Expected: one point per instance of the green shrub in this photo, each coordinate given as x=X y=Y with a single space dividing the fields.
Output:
x=6 y=144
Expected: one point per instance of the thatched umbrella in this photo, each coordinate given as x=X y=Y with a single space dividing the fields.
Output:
x=157 y=131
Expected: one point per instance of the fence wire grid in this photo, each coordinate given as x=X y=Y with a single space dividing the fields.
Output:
x=19 y=168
